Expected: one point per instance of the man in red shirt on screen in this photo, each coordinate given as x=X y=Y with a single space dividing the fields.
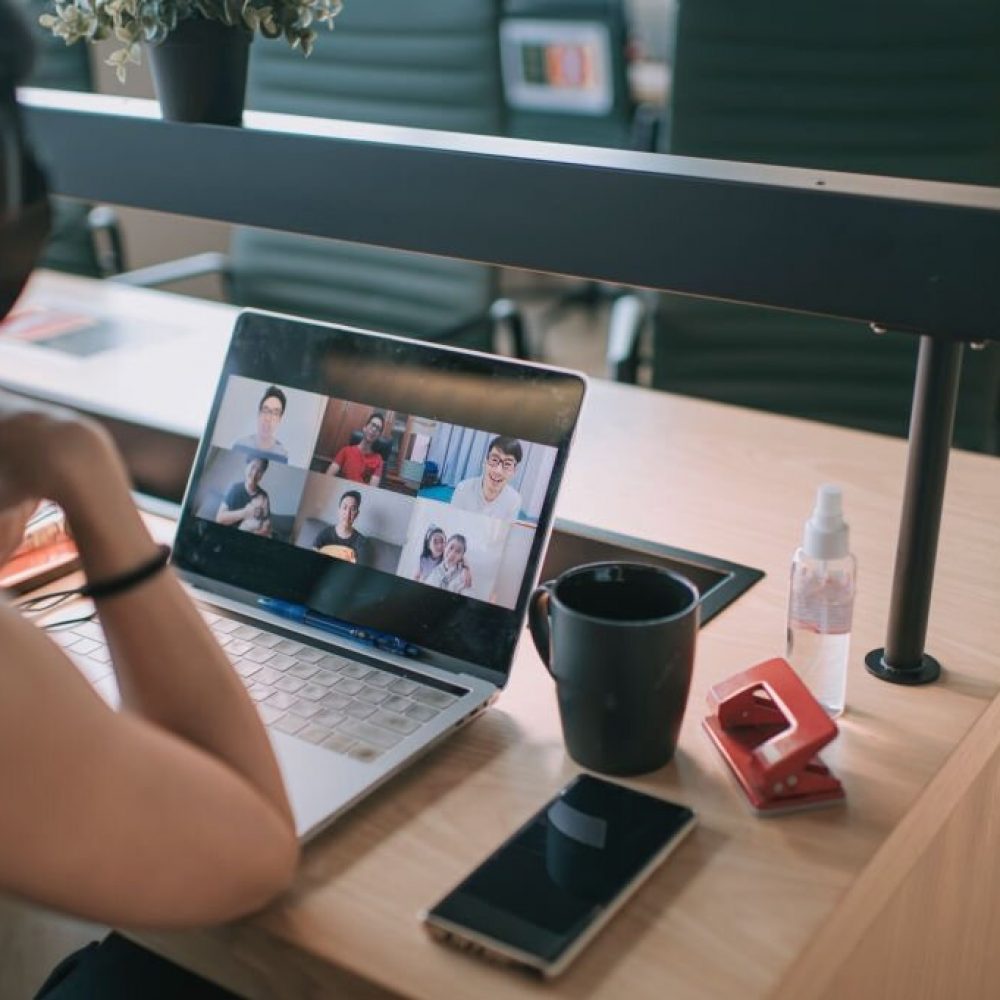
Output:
x=360 y=462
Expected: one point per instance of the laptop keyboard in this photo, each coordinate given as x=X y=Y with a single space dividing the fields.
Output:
x=313 y=695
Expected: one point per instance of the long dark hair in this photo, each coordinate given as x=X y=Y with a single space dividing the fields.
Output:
x=24 y=208
x=432 y=530
x=17 y=51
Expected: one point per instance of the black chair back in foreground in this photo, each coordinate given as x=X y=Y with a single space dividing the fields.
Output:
x=867 y=88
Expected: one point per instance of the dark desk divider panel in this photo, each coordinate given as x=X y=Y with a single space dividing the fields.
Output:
x=916 y=256
x=908 y=255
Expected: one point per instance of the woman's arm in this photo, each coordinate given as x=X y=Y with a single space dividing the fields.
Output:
x=119 y=820
x=171 y=811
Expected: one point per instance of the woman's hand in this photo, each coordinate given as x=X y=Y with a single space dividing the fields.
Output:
x=46 y=451
x=43 y=451
x=13 y=521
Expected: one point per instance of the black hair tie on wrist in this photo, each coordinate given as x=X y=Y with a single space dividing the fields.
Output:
x=126 y=581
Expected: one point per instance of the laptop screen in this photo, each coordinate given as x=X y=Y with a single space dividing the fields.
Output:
x=393 y=485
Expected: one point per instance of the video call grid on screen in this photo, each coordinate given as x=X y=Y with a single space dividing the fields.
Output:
x=380 y=481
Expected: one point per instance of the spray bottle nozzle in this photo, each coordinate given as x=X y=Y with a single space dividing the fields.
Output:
x=825 y=535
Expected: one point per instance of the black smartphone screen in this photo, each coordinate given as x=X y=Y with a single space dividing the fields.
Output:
x=561 y=874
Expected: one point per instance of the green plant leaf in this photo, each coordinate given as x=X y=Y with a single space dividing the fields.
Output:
x=151 y=21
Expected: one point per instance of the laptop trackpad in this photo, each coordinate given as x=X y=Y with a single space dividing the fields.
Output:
x=320 y=783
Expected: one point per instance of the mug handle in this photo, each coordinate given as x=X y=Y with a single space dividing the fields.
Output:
x=538 y=620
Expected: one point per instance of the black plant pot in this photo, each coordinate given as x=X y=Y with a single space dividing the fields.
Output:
x=200 y=72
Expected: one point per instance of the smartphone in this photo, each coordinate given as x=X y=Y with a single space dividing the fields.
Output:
x=549 y=888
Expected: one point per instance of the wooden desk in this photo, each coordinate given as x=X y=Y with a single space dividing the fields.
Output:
x=896 y=894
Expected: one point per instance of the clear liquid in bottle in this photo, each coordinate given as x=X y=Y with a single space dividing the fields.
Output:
x=819 y=628
x=821 y=603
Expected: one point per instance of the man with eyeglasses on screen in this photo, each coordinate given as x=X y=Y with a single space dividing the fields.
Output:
x=264 y=442
x=491 y=493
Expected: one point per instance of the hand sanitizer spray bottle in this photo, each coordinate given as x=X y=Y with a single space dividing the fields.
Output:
x=821 y=602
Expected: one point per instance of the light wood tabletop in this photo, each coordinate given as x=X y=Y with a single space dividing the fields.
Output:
x=894 y=893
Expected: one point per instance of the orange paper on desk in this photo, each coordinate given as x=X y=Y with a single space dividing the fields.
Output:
x=46 y=552
x=39 y=566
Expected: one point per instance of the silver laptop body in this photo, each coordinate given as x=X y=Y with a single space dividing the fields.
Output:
x=321 y=782
x=362 y=653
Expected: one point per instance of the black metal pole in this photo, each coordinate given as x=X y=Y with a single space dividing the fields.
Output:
x=932 y=421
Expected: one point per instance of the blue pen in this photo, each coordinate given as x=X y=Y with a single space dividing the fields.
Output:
x=393 y=644
x=284 y=608
x=300 y=613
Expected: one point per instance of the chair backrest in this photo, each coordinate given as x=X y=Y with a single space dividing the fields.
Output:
x=422 y=63
x=63 y=67
x=382 y=446
x=877 y=88
x=565 y=72
x=908 y=91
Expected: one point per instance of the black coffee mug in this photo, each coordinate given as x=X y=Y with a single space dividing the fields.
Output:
x=618 y=639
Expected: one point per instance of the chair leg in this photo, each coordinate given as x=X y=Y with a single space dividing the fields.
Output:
x=106 y=233
x=628 y=318
x=518 y=335
x=507 y=313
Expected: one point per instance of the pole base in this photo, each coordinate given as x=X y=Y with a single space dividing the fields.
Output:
x=927 y=672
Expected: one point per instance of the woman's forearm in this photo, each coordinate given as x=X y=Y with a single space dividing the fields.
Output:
x=188 y=760
x=170 y=669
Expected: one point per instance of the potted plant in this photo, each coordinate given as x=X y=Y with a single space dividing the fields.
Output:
x=198 y=49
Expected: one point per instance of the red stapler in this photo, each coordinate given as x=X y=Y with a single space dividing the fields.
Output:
x=769 y=728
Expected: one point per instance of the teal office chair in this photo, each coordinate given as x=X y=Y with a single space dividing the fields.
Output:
x=909 y=92
x=84 y=240
x=422 y=63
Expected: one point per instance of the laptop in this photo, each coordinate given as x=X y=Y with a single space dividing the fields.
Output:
x=362 y=528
